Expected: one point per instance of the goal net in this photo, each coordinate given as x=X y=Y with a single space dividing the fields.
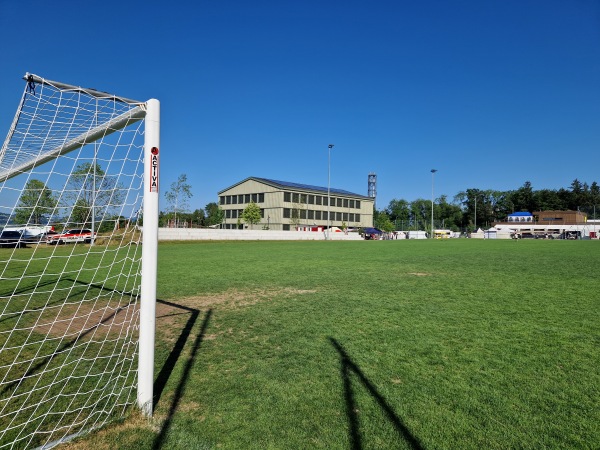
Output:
x=78 y=222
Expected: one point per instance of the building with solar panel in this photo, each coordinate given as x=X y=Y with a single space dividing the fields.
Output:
x=293 y=206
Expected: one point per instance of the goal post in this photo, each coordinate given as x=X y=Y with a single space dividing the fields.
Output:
x=149 y=259
x=79 y=198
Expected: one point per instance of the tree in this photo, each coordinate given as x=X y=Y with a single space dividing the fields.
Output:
x=214 y=214
x=594 y=198
x=298 y=212
x=384 y=223
x=178 y=196
x=251 y=214
x=91 y=192
x=447 y=214
x=198 y=217
x=35 y=202
x=399 y=212
x=548 y=199
x=420 y=213
x=523 y=198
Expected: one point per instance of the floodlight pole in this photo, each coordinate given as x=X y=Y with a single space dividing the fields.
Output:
x=475 y=213
x=328 y=237
x=433 y=171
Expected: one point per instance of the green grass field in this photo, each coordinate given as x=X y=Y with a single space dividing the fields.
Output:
x=377 y=344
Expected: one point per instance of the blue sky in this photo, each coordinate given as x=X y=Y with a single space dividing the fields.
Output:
x=490 y=93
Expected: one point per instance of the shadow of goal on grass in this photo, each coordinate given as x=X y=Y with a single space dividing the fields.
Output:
x=167 y=369
x=348 y=368
x=85 y=328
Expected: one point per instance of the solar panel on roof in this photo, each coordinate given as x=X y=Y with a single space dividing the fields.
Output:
x=308 y=187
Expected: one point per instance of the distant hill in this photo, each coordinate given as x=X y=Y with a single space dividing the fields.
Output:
x=4 y=219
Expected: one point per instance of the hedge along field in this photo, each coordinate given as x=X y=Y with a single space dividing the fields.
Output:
x=375 y=344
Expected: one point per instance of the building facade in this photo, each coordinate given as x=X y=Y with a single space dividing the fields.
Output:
x=548 y=225
x=291 y=206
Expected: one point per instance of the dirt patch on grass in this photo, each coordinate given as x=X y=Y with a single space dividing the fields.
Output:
x=235 y=298
x=88 y=320
x=96 y=320
x=419 y=274
x=172 y=315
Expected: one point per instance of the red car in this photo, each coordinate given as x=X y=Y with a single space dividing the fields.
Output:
x=74 y=235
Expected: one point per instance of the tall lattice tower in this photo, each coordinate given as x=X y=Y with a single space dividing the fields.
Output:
x=373 y=187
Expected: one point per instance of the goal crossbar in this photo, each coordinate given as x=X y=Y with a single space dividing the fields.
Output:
x=30 y=77
x=134 y=115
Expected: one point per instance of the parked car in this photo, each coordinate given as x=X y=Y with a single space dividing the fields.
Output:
x=11 y=238
x=74 y=235
x=41 y=238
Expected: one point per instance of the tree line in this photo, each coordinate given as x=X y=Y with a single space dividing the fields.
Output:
x=477 y=208
x=90 y=192
x=87 y=198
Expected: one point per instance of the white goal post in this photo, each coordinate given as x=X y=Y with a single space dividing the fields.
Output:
x=78 y=167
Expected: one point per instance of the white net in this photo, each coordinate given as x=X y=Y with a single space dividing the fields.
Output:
x=71 y=190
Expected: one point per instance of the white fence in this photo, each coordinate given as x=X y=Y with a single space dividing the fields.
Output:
x=208 y=234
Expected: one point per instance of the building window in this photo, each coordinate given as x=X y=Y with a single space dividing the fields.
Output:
x=261 y=198
x=311 y=214
x=318 y=200
x=234 y=214
x=234 y=199
x=345 y=217
x=357 y=217
x=222 y=199
x=262 y=213
x=357 y=204
x=240 y=199
x=345 y=203
x=287 y=196
x=351 y=217
x=286 y=227
x=296 y=197
x=255 y=198
x=228 y=214
x=311 y=199
x=338 y=217
x=286 y=213
x=303 y=214
x=352 y=204
x=247 y=198
x=339 y=202
x=318 y=215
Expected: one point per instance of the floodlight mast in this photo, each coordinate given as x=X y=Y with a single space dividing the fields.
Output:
x=328 y=236
x=433 y=171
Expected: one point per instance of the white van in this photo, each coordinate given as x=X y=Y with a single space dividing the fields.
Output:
x=30 y=230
